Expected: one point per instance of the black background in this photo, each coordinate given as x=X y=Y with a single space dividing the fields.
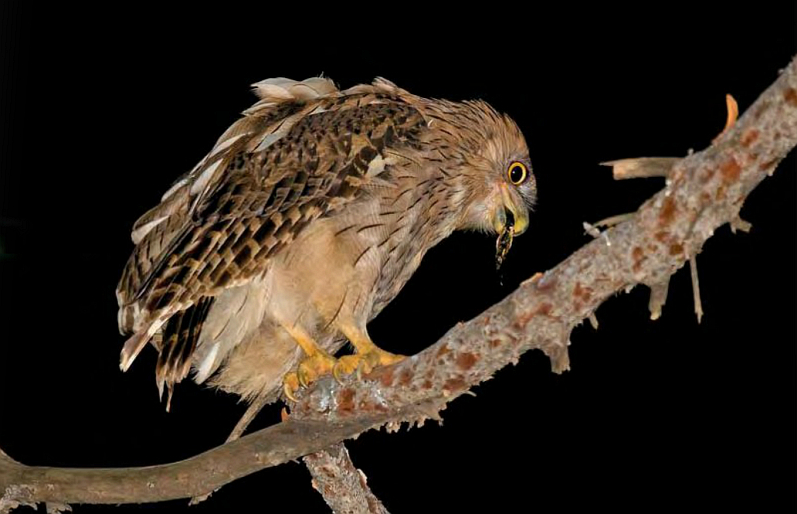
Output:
x=103 y=109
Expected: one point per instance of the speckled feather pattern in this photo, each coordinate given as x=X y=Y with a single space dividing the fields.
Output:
x=312 y=210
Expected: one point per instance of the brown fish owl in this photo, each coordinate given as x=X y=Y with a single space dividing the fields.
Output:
x=303 y=222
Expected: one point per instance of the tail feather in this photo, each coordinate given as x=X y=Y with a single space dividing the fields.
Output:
x=180 y=336
x=137 y=342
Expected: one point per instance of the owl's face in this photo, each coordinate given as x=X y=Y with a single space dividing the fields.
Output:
x=515 y=196
x=505 y=189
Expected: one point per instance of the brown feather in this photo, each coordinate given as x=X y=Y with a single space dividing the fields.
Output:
x=311 y=211
x=254 y=198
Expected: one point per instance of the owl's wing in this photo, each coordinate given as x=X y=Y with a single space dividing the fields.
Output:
x=303 y=151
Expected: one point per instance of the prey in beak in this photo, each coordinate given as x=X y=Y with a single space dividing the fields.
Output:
x=504 y=241
x=511 y=220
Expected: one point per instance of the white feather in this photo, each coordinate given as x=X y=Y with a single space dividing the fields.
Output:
x=138 y=234
x=235 y=314
x=177 y=185
x=207 y=366
x=283 y=89
x=202 y=180
x=225 y=144
x=269 y=138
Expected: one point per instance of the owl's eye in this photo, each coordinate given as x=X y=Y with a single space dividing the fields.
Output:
x=517 y=173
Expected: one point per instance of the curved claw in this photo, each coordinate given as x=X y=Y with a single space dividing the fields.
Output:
x=309 y=371
x=302 y=376
x=336 y=374
x=346 y=365
x=288 y=393
x=290 y=385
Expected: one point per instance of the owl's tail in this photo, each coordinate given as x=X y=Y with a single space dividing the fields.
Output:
x=176 y=341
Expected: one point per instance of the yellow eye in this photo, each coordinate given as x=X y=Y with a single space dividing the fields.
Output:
x=517 y=173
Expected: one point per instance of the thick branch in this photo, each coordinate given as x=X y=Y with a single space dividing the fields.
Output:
x=704 y=191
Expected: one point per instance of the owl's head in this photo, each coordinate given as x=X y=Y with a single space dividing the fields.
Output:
x=495 y=166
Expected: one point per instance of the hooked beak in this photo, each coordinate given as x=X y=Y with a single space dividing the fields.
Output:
x=511 y=214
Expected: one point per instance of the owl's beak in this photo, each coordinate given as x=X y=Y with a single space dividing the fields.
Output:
x=518 y=215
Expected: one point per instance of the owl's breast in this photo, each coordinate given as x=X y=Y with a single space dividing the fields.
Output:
x=406 y=239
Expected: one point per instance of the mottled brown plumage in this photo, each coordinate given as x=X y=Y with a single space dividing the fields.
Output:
x=303 y=222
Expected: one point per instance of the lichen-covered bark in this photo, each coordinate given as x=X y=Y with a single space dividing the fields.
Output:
x=703 y=192
x=343 y=486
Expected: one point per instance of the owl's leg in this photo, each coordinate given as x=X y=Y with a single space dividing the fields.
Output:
x=367 y=356
x=317 y=363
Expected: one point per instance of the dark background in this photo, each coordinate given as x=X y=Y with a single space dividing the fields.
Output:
x=102 y=110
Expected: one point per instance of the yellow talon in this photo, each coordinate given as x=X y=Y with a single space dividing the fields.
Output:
x=364 y=363
x=290 y=385
x=302 y=376
x=345 y=366
x=336 y=373
x=321 y=363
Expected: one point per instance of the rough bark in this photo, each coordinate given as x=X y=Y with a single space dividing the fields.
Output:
x=704 y=191
x=343 y=486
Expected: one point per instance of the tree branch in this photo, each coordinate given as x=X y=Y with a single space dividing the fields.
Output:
x=703 y=192
x=344 y=487
x=641 y=167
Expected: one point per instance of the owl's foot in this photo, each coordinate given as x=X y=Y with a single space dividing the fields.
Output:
x=364 y=362
x=290 y=384
x=319 y=364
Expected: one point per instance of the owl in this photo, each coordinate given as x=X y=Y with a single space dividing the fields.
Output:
x=303 y=222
